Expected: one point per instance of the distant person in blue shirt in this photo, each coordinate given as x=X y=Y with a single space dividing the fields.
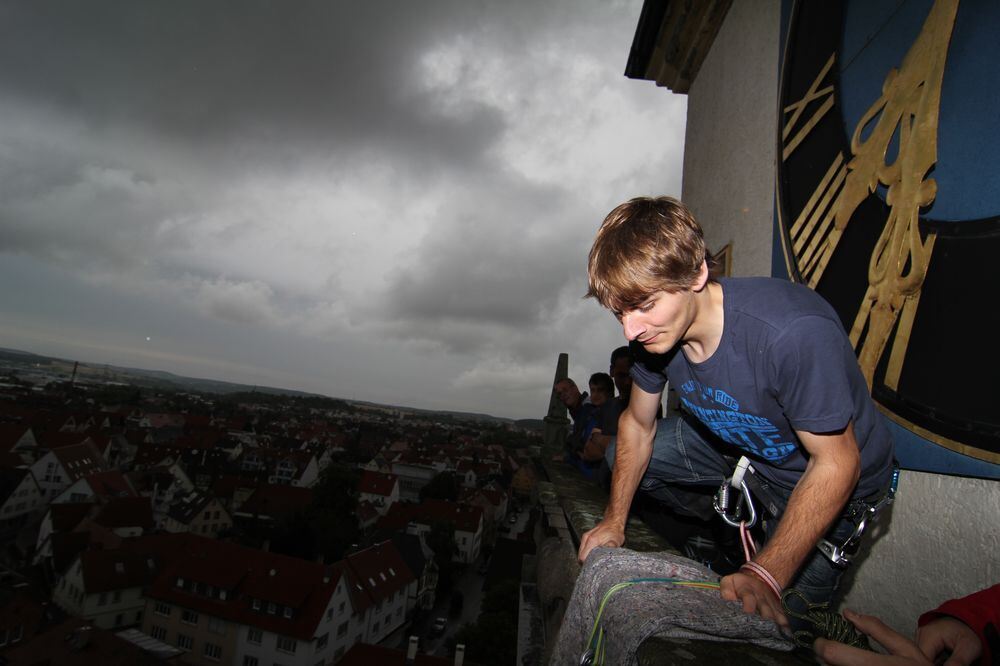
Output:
x=762 y=368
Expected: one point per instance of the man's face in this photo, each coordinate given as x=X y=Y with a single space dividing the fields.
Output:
x=568 y=394
x=598 y=395
x=661 y=321
x=619 y=372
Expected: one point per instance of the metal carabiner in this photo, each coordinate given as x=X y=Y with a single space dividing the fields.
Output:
x=721 y=505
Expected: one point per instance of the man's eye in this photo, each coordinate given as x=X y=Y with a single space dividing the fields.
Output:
x=646 y=308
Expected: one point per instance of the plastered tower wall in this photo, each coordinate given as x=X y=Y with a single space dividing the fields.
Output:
x=729 y=146
x=942 y=538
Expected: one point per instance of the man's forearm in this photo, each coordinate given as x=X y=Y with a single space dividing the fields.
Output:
x=632 y=454
x=814 y=505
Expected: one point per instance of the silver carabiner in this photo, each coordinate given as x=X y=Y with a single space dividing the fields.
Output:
x=721 y=505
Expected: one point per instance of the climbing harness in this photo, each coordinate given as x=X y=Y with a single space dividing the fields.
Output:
x=745 y=481
x=861 y=514
x=594 y=652
x=825 y=622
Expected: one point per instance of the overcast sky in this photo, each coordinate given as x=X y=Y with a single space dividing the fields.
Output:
x=385 y=201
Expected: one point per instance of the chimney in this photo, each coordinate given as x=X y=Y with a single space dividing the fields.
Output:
x=411 y=651
x=459 y=654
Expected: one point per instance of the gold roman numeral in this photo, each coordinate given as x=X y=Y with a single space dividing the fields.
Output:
x=814 y=234
x=797 y=109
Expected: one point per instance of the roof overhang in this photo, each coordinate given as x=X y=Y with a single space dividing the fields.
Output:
x=672 y=39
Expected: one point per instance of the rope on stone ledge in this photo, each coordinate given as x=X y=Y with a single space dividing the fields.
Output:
x=825 y=622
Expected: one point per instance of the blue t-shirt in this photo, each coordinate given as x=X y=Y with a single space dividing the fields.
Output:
x=784 y=364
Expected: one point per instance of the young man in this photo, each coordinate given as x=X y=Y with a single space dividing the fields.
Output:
x=763 y=369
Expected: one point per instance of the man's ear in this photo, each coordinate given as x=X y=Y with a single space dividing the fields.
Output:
x=702 y=279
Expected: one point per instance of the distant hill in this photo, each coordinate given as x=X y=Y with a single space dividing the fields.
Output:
x=98 y=373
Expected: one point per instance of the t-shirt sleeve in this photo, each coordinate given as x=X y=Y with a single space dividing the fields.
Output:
x=810 y=374
x=649 y=370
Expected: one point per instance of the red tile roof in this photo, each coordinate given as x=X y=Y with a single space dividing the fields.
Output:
x=376 y=483
x=79 y=460
x=110 y=484
x=75 y=643
x=465 y=517
x=380 y=570
x=107 y=570
x=247 y=574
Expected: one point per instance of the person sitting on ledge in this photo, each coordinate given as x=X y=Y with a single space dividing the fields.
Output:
x=960 y=632
x=763 y=369
x=602 y=390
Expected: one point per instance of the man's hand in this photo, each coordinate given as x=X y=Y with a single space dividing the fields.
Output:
x=942 y=634
x=952 y=635
x=605 y=533
x=755 y=595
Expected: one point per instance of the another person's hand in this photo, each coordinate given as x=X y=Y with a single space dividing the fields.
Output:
x=605 y=533
x=932 y=639
x=949 y=634
x=755 y=596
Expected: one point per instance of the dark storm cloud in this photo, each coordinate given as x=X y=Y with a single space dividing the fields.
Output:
x=406 y=189
x=501 y=258
x=266 y=73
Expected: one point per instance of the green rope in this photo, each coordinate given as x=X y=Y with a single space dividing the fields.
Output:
x=596 y=648
x=825 y=623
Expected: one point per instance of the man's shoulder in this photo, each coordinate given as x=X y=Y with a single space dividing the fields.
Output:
x=773 y=302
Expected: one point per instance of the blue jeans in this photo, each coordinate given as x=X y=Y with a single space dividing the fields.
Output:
x=685 y=464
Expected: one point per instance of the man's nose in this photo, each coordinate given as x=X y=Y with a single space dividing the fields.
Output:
x=632 y=325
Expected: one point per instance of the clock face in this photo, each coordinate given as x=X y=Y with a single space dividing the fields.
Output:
x=889 y=201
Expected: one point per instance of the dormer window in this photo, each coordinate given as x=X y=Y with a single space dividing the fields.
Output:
x=271 y=608
x=288 y=612
x=180 y=582
x=222 y=594
x=382 y=575
x=371 y=581
x=256 y=604
x=392 y=572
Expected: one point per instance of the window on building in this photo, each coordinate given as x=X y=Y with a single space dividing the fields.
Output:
x=217 y=626
x=256 y=604
x=16 y=632
x=286 y=644
x=102 y=599
x=322 y=641
x=329 y=614
x=340 y=609
x=212 y=651
x=339 y=653
x=342 y=630
x=255 y=636
x=159 y=633
x=117 y=596
x=189 y=617
x=138 y=616
x=119 y=620
x=288 y=612
x=271 y=608
x=250 y=661
x=161 y=608
x=184 y=641
x=375 y=627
